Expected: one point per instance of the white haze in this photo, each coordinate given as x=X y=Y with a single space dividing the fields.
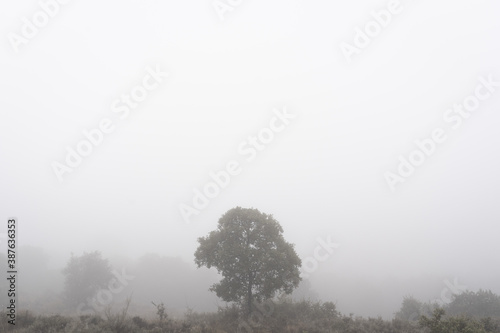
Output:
x=321 y=176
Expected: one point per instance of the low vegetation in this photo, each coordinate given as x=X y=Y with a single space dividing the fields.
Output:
x=280 y=316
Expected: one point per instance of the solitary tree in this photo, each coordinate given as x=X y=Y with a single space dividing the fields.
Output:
x=85 y=275
x=249 y=250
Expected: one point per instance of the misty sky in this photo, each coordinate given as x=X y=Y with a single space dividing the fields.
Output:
x=322 y=175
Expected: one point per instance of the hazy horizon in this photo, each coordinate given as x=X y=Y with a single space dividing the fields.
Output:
x=269 y=95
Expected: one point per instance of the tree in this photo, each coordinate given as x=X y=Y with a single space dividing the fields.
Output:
x=482 y=303
x=249 y=250
x=85 y=275
x=411 y=309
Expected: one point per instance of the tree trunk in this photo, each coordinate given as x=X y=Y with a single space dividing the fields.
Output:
x=249 y=293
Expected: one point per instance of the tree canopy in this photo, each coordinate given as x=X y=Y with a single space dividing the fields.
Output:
x=85 y=275
x=482 y=303
x=249 y=250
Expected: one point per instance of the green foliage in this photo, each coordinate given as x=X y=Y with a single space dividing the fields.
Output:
x=482 y=303
x=93 y=320
x=119 y=322
x=249 y=250
x=25 y=318
x=50 y=324
x=283 y=316
x=306 y=315
x=139 y=322
x=412 y=309
x=84 y=276
x=436 y=324
x=490 y=325
x=225 y=319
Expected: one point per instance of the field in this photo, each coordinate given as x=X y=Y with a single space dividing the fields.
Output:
x=283 y=316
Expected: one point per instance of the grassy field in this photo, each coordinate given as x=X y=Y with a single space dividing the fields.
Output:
x=283 y=316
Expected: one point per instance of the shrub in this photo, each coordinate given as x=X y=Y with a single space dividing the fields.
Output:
x=50 y=324
x=140 y=323
x=477 y=304
x=462 y=324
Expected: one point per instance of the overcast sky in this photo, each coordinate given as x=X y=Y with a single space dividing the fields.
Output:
x=323 y=173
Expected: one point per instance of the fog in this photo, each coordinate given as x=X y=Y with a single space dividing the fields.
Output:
x=267 y=106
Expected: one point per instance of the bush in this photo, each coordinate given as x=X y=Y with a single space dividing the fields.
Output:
x=283 y=316
x=480 y=304
x=461 y=324
x=50 y=324
x=140 y=323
